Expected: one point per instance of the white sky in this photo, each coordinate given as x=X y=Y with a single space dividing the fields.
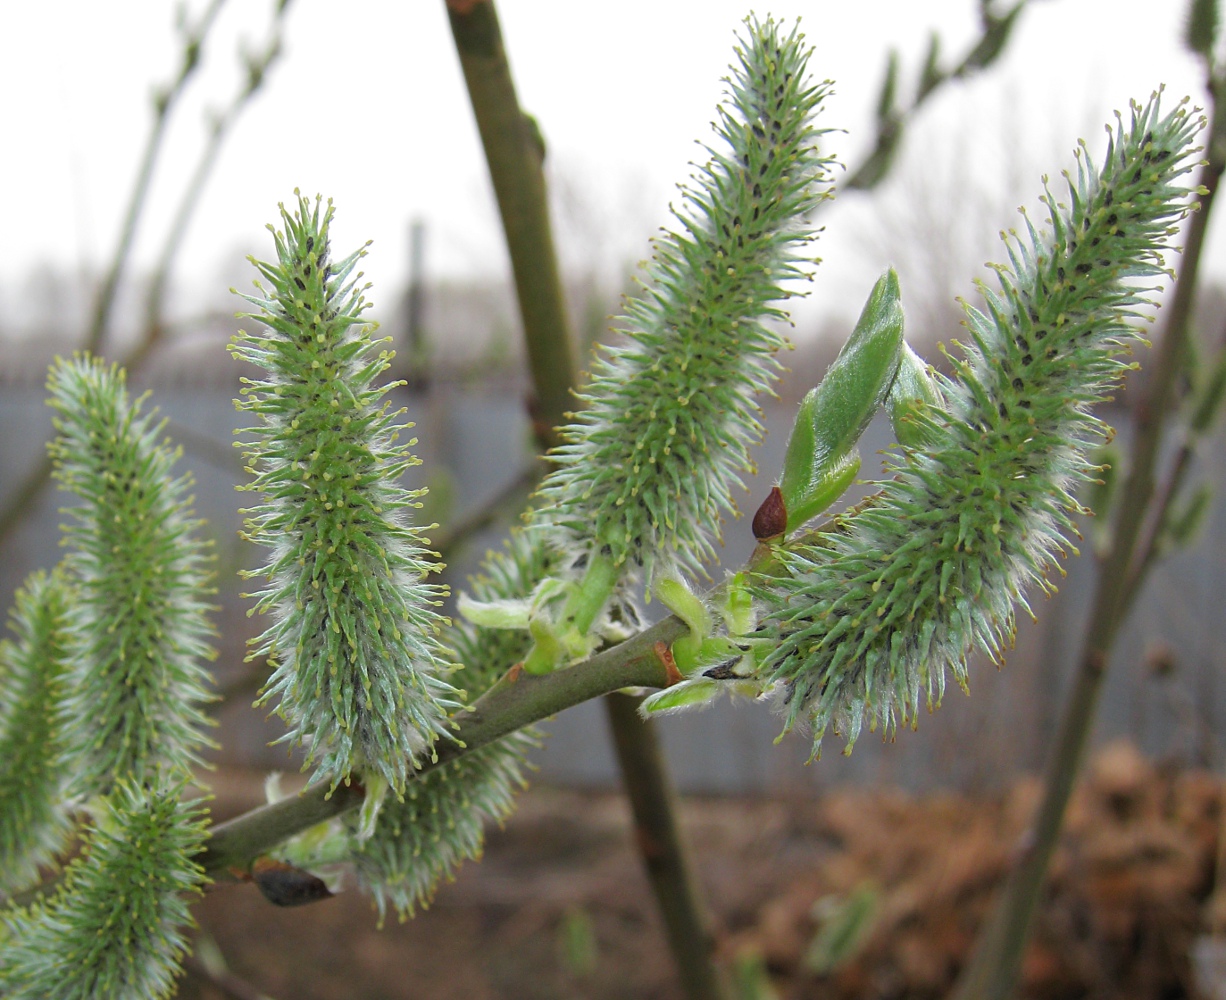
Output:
x=368 y=106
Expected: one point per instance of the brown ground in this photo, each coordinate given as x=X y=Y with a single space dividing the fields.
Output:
x=559 y=908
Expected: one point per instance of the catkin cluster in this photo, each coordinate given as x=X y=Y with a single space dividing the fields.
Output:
x=873 y=613
x=114 y=927
x=110 y=680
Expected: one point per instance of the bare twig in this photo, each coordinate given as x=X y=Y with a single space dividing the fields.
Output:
x=28 y=491
x=209 y=966
x=510 y=500
x=223 y=980
x=995 y=31
x=193 y=42
x=257 y=66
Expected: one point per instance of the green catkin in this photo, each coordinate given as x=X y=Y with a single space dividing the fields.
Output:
x=114 y=926
x=646 y=468
x=359 y=672
x=442 y=820
x=139 y=623
x=876 y=610
x=34 y=768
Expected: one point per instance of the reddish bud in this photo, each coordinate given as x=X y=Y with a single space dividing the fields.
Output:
x=285 y=885
x=771 y=520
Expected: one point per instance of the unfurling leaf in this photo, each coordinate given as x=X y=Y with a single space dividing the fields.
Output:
x=822 y=458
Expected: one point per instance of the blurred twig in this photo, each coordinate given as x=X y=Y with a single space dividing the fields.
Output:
x=193 y=36
x=209 y=966
x=257 y=66
x=510 y=500
x=1205 y=405
x=994 y=34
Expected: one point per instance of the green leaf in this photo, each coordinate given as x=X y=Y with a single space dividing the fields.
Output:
x=577 y=944
x=888 y=97
x=1183 y=524
x=992 y=42
x=495 y=614
x=845 y=927
x=821 y=459
x=913 y=392
x=931 y=76
x=686 y=694
x=1207 y=400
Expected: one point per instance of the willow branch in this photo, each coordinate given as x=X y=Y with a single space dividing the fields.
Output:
x=661 y=846
x=517 y=700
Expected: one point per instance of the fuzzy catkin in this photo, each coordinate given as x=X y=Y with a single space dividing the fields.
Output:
x=441 y=822
x=874 y=612
x=139 y=624
x=646 y=468
x=34 y=768
x=114 y=927
x=359 y=672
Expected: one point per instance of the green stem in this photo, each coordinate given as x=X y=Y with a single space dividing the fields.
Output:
x=515 y=155
x=995 y=966
x=592 y=594
x=517 y=700
x=662 y=849
x=514 y=151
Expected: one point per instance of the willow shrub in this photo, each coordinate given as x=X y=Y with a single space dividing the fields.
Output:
x=860 y=619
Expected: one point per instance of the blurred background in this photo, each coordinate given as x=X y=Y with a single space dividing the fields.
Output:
x=364 y=103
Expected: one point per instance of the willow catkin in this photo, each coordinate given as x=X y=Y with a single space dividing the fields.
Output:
x=359 y=673
x=139 y=622
x=647 y=467
x=873 y=613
